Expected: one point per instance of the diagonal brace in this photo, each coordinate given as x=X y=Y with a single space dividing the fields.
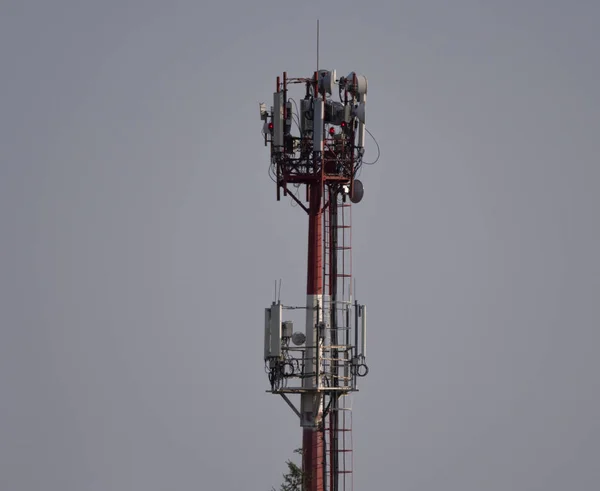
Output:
x=289 y=403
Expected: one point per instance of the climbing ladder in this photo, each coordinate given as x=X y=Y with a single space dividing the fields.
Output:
x=338 y=446
x=337 y=350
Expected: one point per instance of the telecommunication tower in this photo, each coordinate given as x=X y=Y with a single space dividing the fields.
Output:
x=317 y=147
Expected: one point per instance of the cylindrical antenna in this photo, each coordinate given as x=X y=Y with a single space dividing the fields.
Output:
x=317 y=45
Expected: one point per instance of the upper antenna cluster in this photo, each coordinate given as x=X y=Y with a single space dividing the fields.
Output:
x=323 y=135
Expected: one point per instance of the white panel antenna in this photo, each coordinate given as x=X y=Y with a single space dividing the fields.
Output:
x=273 y=331
x=318 y=121
x=278 y=121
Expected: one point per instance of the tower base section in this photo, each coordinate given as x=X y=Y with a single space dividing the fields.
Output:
x=312 y=459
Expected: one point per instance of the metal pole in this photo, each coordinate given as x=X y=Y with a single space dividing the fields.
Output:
x=312 y=438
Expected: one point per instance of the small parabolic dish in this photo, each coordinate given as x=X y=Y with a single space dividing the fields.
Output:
x=298 y=338
x=358 y=191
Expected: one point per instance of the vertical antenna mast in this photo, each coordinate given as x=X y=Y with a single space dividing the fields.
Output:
x=321 y=361
x=317 y=45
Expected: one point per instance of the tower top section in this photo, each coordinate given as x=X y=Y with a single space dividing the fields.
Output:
x=316 y=138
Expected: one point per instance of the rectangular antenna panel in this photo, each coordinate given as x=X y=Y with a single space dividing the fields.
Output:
x=319 y=128
x=267 y=333
x=361 y=125
x=273 y=316
x=307 y=124
x=278 y=121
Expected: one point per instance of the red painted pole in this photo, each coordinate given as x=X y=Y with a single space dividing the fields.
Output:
x=312 y=438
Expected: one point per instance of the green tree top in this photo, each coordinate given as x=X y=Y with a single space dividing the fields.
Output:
x=293 y=479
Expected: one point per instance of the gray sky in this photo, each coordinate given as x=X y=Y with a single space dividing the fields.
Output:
x=140 y=238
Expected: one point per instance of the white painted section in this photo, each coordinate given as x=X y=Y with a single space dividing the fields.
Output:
x=314 y=314
x=311 y=403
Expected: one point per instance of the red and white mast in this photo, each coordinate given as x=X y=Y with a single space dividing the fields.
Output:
x=322 y=363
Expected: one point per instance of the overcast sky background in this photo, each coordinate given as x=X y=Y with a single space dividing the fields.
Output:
x=140 y=237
